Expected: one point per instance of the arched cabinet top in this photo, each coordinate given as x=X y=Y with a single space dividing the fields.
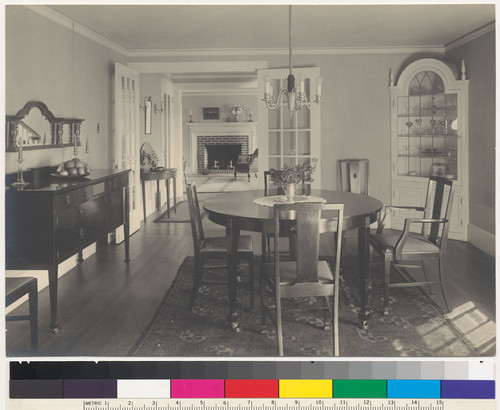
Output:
x=446 y=70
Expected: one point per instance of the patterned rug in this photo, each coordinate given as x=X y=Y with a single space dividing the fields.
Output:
x=415 y=326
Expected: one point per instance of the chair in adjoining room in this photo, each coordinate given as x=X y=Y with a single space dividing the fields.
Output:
x=306 y=276
x=215 y=248
x=399 y=248
x=16 y=288
x=354 y=175
x=247 y=164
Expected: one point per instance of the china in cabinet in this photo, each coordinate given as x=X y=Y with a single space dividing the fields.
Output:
x=429 y=136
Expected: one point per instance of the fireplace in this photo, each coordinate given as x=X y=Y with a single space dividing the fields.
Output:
x=208 y=133
x=221 y=148
x=222 y=157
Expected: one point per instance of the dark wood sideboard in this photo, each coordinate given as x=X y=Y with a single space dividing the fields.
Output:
x=53 y=219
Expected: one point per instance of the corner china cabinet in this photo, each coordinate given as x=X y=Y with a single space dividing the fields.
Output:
x=429 y=135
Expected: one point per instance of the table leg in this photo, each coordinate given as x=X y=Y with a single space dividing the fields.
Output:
x=234 y=232
x=144 y=199
x=174 y=182
x=54 y=325
x=158 y=195
x=364 y=255
x=167 y=184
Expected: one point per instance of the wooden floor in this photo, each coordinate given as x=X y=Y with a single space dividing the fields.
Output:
x=105 y=305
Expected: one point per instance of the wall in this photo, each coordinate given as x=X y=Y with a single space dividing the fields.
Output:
x=70 y=73
x=479 y=57
x=196 y=103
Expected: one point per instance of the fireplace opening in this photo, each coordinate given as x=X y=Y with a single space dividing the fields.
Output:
x=222 y=157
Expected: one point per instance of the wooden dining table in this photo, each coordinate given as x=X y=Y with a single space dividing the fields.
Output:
x=237 y=211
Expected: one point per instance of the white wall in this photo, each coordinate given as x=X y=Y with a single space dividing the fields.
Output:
x=71 y=74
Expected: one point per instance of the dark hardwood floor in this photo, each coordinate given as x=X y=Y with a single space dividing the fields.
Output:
x=105 y=305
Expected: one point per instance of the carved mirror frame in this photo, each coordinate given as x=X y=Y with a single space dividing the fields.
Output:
x=56 y=128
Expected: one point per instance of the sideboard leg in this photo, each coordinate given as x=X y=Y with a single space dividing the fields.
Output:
x=54 y=325
x=126 y=223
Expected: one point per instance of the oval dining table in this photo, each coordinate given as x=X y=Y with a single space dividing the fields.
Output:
x=237 y=211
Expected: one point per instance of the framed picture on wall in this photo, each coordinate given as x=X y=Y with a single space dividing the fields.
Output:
x=211 y=113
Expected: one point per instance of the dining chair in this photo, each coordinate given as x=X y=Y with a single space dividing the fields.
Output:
x=354 y=175
x=421 y=246
x=214 y=247
x=306 y=276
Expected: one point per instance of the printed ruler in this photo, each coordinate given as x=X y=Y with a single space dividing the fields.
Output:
x=252 y=404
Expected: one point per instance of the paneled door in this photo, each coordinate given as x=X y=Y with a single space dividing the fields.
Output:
x=126 y=140
x=284 y=137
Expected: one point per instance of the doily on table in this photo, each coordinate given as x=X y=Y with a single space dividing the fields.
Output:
x=283 y=199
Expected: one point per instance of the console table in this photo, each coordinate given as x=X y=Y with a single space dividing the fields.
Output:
x=166 y=174
x=54 y=218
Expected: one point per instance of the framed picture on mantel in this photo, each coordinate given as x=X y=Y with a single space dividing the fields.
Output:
x=211 y=113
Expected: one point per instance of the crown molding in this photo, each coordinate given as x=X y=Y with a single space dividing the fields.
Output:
x=72 y=25
x=471 y=36
x=283 y=51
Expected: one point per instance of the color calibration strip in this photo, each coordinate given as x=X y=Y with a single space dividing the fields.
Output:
x=264 y=389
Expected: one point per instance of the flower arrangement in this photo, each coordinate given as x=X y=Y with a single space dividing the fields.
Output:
x=281 y=178
x=236 y=109
x=152 y=158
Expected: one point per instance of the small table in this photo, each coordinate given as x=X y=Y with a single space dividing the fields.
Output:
x=236 y=210
x=166 y=174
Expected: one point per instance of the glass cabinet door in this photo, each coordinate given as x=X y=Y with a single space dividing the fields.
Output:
x=427 y=127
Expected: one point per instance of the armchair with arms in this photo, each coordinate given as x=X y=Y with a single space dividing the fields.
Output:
x=247 y=164
x=400 y=247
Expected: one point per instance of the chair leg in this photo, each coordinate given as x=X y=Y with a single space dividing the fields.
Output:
x=198 y=273
x=335 y=311
x=33 y=309
x=262 y=303
x=326 y=314
x=251 y=278
x=441 y=279
x=425 y=264
x=387 y=277
x=279 y=329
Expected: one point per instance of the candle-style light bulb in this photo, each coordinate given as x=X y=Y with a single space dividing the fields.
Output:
x=319 y=81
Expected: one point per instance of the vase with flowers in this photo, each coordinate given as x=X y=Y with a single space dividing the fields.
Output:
x=289 y=176
x=236 y=110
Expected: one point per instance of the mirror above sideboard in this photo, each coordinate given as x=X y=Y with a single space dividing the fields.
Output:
x=36 y=127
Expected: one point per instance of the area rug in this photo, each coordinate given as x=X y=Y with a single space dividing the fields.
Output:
x=415 y=326
x=224 y=183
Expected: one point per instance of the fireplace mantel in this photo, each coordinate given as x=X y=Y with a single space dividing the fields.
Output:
x=220 y=128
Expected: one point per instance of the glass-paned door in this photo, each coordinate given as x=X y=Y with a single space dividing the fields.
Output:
x=284 y=137
x=126 y=138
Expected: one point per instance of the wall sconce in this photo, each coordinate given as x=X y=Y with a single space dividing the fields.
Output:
x=159 y=110
x=148 y=106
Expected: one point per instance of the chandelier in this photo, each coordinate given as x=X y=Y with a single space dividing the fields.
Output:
x=296 y=98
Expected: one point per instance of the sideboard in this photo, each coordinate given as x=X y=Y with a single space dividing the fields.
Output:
x=54 y=218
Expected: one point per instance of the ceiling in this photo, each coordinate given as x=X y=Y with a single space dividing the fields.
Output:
x=251 y=26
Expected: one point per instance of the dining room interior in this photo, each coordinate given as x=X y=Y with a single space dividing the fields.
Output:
x=165 y=164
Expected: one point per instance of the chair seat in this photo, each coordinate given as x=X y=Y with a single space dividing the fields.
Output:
x=218 y=244
x=416 y=243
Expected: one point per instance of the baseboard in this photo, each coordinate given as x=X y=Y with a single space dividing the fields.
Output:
x=42 y=275
x=481 y=239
